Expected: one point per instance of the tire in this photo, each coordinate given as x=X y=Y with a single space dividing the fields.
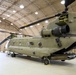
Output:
x=28 y=56
x=62 y=60
x=13 y=55
x=46 y=61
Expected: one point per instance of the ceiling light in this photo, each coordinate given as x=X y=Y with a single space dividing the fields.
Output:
x=14 y=11
x=63 y=2
x=8 y=15
x=20 y=33
x=21 y=6
x=31 y=26
x=21 y=29
x=0 y=21
x=36 y=13
x=3 y=18
x=11 y=23
x=46 y=21
x=38 y=24
x=25 y=28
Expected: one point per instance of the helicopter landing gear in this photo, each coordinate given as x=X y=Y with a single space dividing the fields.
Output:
x=13 y=54
x=8 y=53
x=46 y=61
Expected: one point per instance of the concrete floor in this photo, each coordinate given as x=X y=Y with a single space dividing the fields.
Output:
x=22 y=65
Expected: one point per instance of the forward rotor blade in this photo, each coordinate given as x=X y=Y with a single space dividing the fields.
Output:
x=9 y=37
x=39 y=21
x=68 y=2
x=4 y=31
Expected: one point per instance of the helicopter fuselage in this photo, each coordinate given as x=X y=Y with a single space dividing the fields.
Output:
x=39 y=47
x=55 y=41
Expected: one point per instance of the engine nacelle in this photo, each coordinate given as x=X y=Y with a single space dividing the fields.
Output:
x=46 y=33
x=57 y=31
x=60 y=30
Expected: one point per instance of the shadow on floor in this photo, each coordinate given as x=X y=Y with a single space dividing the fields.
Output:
x=52 y=62
x=61 y=63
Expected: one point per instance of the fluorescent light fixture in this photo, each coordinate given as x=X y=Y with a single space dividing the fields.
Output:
x=38 y=24
x=20 y=33
x=21 y=29
x=25 y=28
x=36 y=13
x=63 y=2
x=8 y=15
x=21 y=6
x=11 y=23
x=14 y=11
x=3 y=18
x=0 y=21
x=46 y=21
x=31 y=26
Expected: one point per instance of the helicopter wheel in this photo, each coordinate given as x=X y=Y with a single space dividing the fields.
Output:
x=13 y=54
x=28 y=56
x=46 y=61
x=62 y=60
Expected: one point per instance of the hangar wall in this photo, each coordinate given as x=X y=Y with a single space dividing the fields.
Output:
x=73 y=51
x=2 y=37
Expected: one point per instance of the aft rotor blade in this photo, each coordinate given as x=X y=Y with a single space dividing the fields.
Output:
x=9 y=37
x=72 y=35
x=68 y=2
x=39 y=21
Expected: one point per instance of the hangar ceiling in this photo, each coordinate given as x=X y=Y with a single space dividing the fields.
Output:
x=17 y=13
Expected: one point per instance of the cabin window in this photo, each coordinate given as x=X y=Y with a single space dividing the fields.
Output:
x=13 y=43
x=40 y=44
x=31 y=43
x=28 y=44
x=20 y=43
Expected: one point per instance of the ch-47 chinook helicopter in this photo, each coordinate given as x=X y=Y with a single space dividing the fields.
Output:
x=55 y=41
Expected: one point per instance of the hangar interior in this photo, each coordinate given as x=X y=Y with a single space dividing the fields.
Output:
x=17 y=13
